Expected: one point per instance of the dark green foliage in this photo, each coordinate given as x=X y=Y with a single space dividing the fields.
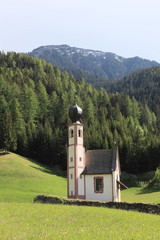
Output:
x=7 y=131
x=155 y=182
x=34 y=101
x=144 y=86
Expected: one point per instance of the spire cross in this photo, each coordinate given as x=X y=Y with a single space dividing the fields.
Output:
x=75 y=96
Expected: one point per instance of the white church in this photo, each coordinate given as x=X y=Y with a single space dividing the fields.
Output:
x=91 y=174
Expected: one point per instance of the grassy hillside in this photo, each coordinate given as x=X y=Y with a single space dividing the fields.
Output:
x=21 y=179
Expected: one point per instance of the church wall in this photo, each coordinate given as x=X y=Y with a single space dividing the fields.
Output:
x=80 y=134
x=71 y=158
x=115 y=177
x=80 y=182
x=80 y=156
x=115 y=187
x=80 y=167
x=71 y=179
x=106 y=195
x=71 y=139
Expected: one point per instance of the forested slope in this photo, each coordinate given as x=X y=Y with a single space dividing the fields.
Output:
x=34 y=102
x=143 y=85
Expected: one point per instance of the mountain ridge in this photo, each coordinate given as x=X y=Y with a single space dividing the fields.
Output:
x=90 y=64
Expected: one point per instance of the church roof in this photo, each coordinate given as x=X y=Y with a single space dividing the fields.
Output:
x=100 y=161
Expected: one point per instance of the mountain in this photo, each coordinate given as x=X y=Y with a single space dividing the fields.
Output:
x=89 y=64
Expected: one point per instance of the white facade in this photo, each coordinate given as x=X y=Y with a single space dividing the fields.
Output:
x=91 y=194
x=71 y=178
x=80 y=183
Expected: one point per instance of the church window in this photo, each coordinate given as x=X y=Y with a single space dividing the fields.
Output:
x=80 y=159
x=71 y=159
x=98 y=184
x=71 y=175
x=72 y=193
x=79 y=133
x=71 y=133
x=80 y=176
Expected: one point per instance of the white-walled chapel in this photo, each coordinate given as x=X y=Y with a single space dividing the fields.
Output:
x=91 y=174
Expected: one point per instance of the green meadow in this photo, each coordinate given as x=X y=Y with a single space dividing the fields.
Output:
x=22 y=179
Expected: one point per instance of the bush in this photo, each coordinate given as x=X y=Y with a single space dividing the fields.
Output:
x=142 y=180
x=145 y=178
x=155 y=182
x=130 y=180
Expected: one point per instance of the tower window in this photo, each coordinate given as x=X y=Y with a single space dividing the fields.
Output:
x=80 y=176
x=80 y=159
x=98 y=184
x=71 y=133
x=71 y=175
x=79 y=133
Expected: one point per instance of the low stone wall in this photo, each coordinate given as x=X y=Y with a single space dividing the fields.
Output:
x=140 y=207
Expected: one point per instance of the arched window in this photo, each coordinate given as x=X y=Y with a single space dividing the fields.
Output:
x=71 y=133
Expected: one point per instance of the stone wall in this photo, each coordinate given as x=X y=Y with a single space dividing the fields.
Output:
x=140 y=207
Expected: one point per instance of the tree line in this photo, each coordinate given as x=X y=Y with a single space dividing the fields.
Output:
x=34 y=101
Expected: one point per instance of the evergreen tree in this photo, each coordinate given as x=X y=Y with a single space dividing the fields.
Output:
x=8 y=139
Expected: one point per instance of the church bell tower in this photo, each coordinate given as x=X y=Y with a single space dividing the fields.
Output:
x=76 y=155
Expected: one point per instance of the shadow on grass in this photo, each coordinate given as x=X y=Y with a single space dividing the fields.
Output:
x=48 y=170
x=4 y=153
x=148 y=190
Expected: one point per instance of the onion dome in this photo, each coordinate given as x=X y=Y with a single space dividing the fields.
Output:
x=75 y=113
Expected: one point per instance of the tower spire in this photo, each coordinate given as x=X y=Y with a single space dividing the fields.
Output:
x=75 y=112
x=75 y=96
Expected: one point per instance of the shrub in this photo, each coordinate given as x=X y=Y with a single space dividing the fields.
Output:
x=155 y=182
x=130 y=180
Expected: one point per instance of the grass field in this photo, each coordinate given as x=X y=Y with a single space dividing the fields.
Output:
x=141 y=195
x=21 y=180
x=37 y=221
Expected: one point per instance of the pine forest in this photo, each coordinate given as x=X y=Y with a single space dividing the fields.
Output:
x=34 y=101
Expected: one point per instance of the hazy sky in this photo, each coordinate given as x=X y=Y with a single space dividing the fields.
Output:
x=126 y=27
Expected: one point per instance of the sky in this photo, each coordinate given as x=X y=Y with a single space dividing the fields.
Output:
x=127 y=28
